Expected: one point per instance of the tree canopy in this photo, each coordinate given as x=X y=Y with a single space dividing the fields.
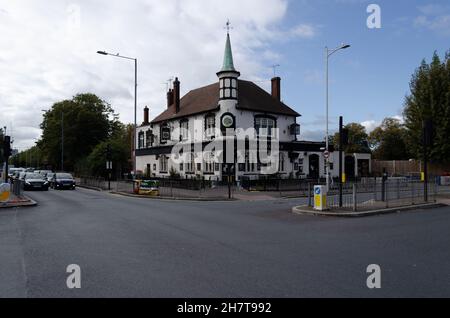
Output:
x=390 y=141
x=430 y=99
x=357 y=139
x=87 y=121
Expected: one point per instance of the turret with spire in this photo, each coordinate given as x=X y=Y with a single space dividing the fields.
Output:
x=228 y=76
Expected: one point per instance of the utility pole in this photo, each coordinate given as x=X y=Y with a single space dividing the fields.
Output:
x=62 y=140
x=341 y=123
x=6 y=154
x=427 y=142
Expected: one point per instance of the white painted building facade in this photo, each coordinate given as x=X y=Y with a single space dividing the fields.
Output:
x=202 y=116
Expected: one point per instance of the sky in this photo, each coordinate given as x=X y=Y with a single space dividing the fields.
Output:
x=48 y=54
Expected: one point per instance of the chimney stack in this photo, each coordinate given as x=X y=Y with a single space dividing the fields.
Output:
x=276 y=88
x=146 y=117
x=169 y=98
x=176 y=94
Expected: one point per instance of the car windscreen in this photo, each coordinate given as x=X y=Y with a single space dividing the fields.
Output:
x=63 y=176
x=33 y=176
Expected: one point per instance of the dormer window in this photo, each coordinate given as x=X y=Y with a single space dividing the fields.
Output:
x=228 y=88
x=149 y=138
x=184 y=130
x=141 y=140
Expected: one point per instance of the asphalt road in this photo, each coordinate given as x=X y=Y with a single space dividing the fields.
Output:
x=128 y=247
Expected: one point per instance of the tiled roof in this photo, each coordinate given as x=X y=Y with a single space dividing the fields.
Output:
x=206 y=99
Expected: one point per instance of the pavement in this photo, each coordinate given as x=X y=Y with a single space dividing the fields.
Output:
x=128 y=247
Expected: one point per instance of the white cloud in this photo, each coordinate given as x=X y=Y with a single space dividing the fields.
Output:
x=434 y=17
x=370 y=125
x=306 y=31
x=47 y=52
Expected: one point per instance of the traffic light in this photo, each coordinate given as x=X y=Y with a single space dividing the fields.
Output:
x=7 y=147
x=428 y=133
x=344 y=136
x=108 y=152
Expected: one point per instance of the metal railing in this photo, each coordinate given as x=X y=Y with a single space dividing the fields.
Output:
x=376 y=194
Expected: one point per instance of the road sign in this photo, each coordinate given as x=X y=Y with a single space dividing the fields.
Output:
x=109 y=165
x=320 y=198
x=326 y=154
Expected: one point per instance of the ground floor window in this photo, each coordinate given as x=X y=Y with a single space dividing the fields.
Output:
x=190 y=163
x=163 y=164
x=281 y=164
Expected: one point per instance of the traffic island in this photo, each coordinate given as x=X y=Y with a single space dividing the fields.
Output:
x=18 y=202
x=307 y=210
x=169 y=198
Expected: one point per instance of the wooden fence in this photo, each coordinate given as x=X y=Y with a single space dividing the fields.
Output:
x=405 y=168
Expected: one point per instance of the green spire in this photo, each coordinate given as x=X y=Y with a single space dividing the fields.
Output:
x=228 y=65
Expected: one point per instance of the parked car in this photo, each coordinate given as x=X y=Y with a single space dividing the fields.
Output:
x=22 y=176
x=35 y=181
x=63 y=181
x=14 y=172
x=45 y=172
x=49 y=177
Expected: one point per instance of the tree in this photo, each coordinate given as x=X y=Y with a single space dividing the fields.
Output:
x=1 y=147
x=357 y=139
x=389 y=141
x=31 y=157
x=88 y=121
x=120 y=143
x=430 y=99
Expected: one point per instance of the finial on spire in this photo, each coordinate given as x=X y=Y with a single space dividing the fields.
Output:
x=228 y=26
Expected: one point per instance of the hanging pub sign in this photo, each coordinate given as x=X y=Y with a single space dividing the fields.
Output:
x=165 y=133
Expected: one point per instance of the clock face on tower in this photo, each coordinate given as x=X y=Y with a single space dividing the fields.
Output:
x=227 y=121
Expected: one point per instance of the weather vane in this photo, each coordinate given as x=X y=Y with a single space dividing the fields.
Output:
x=228 y=26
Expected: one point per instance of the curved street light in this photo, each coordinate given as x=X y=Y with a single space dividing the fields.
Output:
x=135 y=103
x=328 y=53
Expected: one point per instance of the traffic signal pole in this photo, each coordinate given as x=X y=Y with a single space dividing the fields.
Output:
x=341 y=123
x=6 y=154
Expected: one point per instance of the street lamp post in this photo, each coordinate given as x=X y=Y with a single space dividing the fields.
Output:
x=62 y=140
x=135 y=103
x=328 y=53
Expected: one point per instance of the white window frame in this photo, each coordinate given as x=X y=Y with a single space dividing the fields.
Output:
x=184 y=129
x=210 y=126
x=163 y=163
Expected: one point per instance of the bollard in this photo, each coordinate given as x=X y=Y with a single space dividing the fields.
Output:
x=309 y=194
x=386 y=195
x=355 y=208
